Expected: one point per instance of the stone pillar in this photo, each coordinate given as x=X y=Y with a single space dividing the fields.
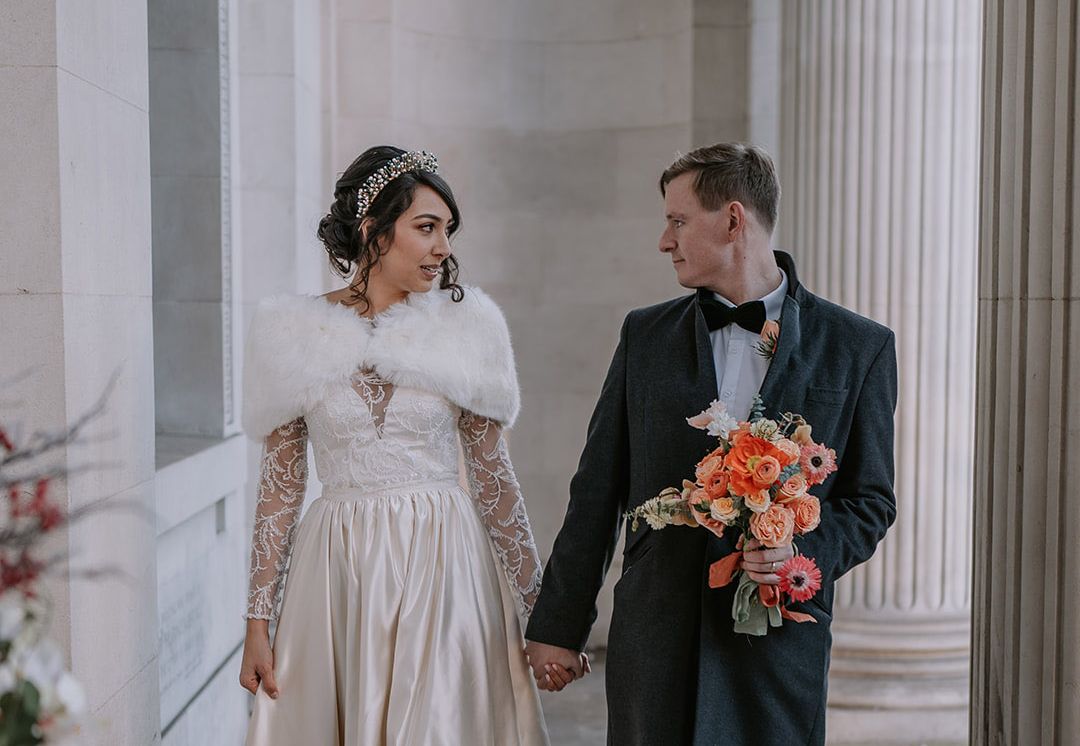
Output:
x=878 y=159
x=1026 y=641
x=75 y=304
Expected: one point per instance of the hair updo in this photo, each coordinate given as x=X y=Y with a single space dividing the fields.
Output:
x=340 y=232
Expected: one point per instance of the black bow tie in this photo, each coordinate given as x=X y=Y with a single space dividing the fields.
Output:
x=750 y=316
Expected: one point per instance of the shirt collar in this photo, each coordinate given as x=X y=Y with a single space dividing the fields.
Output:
x=774 y=300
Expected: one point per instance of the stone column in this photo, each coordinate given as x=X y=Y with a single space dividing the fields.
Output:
x=1026 y=641
x=878 y=159
x=75 y=307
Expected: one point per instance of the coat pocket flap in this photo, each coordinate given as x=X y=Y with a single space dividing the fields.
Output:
x=826 y=396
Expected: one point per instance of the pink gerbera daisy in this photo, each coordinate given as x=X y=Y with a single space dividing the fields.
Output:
x=800 y=578
x=817 y=462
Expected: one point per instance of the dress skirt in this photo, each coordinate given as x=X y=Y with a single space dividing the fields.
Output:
x=397 y=627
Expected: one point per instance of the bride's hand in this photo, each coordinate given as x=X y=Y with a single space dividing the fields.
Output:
x=258 y=661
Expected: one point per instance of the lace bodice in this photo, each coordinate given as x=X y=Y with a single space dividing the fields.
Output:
x=372 y=435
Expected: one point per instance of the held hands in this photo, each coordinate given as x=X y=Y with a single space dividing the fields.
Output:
x=555 y=667
x=761 y=563
x=258 y=662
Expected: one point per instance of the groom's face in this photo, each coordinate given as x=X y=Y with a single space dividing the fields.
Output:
x=694 y=238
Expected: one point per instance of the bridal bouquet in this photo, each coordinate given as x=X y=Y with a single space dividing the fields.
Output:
x=756 y=483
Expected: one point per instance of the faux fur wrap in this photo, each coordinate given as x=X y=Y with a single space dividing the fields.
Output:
x=297 y=346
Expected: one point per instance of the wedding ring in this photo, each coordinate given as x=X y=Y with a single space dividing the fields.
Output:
x=773 y=566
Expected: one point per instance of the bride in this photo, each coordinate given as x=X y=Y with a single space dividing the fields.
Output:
x=401 y=619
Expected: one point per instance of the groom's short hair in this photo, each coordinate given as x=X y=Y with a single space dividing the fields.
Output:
x=731 y=171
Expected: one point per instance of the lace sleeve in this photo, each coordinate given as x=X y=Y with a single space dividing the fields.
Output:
x=281 y=495
x=498 y=497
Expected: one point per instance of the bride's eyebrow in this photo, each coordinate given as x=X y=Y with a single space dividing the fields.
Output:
x=429 y=216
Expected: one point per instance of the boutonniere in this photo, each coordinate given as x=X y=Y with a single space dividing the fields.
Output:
x=770 y=338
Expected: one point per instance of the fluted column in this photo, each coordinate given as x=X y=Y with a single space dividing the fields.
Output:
x=879 y=162
x=1026 y=641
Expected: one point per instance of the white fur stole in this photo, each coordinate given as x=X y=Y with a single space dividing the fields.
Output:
x=297 y=346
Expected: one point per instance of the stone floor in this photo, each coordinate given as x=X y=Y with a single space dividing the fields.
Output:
x=577 y=716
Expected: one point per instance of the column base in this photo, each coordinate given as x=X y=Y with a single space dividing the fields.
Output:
x=903 y=680
x=945 y=727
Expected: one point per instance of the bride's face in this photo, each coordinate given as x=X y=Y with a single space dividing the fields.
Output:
x=412 y=262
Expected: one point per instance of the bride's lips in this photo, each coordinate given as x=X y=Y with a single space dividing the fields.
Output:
x=430 y=271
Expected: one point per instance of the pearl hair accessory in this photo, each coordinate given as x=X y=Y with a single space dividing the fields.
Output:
x=417 y=160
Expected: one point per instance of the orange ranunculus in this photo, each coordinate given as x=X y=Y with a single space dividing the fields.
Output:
x=746 y=451
x=709 y=466
x=764 y=471
x=790 y=449
x=774 y=527
x=758 y=500
x=792 y=488
x=723 y=509
x=717 y=486
x=807 y=512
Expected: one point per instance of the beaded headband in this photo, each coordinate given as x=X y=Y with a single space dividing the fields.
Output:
x=417 y=160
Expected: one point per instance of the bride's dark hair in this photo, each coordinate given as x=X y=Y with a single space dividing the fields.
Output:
x=339 y=230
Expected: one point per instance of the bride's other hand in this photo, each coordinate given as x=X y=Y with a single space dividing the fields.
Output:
x=258 y=661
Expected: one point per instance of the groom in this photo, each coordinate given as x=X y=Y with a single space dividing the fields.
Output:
x=676 y=672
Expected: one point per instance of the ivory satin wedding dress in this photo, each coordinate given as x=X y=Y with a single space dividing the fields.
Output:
x=400 y=620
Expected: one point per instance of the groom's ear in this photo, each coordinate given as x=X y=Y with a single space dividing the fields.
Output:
x=736 y=218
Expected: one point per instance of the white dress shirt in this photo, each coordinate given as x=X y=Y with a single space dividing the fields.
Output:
x=740 y=370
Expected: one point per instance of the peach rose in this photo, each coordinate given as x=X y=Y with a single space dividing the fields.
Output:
x=807 y=512
x=764 y=471
x=792 y=488
x=770 y=328
x=774 y=527
x=705 y=519
x=723 y=509
x=790 y=449
x=758 y=500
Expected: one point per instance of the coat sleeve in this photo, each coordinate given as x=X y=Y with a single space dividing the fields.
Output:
x=566 y=608
x=861 y=505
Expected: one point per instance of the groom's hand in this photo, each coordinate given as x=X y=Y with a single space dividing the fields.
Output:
x=761 y=563
x=555 y=667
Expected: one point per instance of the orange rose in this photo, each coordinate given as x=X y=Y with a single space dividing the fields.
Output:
x=790 y=449
x=758 y=500
x=764 y=471
x=807 y=512
x=773 y=528
x=792 y=488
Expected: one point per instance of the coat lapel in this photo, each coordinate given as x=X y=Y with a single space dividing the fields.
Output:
x=773 y=387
